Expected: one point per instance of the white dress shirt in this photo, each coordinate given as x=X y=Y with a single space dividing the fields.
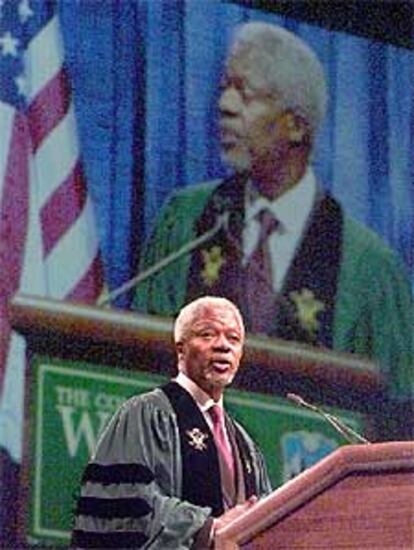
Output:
x=203 y=400
x=292 y=210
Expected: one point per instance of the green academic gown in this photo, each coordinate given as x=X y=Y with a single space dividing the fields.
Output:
x=345 y=289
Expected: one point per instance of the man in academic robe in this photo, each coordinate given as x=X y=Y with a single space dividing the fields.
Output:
x=329 y=280
x=172 y=467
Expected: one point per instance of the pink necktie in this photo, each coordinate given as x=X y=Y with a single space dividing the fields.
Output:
x=222 y=444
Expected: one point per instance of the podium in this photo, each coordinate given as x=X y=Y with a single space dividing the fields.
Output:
x=357 y=497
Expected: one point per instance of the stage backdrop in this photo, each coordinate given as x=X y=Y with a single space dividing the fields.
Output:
x=146 y=76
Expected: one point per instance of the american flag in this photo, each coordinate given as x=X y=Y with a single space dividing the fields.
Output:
x=48 y=241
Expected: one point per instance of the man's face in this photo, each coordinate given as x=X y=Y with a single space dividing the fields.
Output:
x=211 y=349
x=251 y=120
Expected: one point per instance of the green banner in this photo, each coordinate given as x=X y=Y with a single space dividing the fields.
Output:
x=72 y=402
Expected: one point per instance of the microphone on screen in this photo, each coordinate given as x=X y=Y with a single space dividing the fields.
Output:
x=222 y=222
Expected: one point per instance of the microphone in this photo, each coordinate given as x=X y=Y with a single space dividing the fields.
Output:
x=348 y=433
x=221 y=222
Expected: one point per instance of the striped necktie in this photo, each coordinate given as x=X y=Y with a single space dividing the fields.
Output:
x=260 y=295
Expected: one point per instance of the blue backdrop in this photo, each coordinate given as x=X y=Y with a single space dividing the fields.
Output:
x=145 y=76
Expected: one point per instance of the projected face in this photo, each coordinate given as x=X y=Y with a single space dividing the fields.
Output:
x=252 y=132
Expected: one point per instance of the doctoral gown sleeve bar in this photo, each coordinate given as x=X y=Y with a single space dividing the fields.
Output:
x=126 y=494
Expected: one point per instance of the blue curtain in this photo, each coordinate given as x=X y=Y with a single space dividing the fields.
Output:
x=146 y=75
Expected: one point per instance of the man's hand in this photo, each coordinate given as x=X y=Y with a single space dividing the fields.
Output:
x=233 y=513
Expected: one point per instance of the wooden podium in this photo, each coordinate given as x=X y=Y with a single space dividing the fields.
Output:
x=358 y=497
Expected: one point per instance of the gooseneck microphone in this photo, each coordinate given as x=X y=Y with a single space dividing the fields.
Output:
x=348 y=433
x=221 y=222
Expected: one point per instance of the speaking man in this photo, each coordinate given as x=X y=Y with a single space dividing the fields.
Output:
x=172 y=467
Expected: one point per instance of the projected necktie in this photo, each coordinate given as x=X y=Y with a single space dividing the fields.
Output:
x=260 y=295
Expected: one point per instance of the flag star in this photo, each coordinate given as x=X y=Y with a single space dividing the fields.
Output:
x=21 y=85
x=25 y=11
x=9 y=44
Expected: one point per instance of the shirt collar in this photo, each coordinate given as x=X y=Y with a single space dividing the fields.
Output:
x=203 y=400
x=292 y=208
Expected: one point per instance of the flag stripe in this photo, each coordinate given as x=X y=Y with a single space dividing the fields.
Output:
x=75 y=258
x=56 y=157
x=44 y=57
x=13 y=226
x=62 y=209
x=89 y=288
x=48 y=108
x=6 y=127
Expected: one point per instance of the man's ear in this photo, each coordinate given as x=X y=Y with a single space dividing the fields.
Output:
x=297 y=129
x=179 y=348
